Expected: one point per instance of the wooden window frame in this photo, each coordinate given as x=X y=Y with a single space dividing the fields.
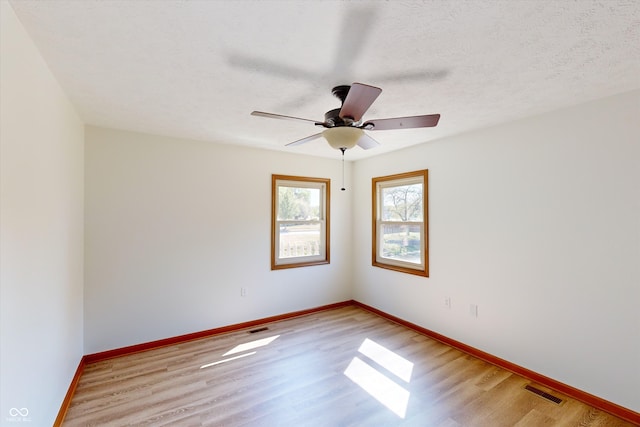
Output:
x=398 y=265
x=324 y=184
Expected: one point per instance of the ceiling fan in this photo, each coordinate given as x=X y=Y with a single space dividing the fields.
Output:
x=344 y=126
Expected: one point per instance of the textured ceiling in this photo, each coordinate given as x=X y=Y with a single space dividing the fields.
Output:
x=196 y=69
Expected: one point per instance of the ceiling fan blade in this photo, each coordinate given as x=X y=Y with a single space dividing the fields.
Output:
x=419 y=75
x=267 y=67
x=426 y=121
x=358 y=100
x=356 y=27
x=303 y=140
x=280 y=116
x=366 y=142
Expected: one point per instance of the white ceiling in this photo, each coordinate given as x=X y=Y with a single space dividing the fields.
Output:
x=196 y=69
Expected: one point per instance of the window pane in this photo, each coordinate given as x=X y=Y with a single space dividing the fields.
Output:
x=402 y=203
x=299 y=239
x=401 y=242
x=298 y=203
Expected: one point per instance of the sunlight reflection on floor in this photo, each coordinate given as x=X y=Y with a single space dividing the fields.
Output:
x=243 y=347
x=251 y=345
x=377 y=384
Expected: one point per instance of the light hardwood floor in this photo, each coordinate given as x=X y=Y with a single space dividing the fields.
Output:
x=340 y=367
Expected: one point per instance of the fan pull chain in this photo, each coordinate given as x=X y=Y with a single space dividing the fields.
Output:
x=343 y=150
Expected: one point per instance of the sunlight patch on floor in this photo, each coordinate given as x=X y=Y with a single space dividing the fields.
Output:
x=241 y=348
x=395 y=363
x=227 y=360
x=251 y=345
x=377 y=384
x=380 y=387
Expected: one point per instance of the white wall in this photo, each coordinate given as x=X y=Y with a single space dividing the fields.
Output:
x=41 y=244
x=174 y=228
x=537 y=222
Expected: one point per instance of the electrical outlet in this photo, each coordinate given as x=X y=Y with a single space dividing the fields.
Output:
x=243 y=292
x=447 y=302
x=473 y=310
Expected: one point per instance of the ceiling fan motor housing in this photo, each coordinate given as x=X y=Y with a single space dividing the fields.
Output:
x=332 y=119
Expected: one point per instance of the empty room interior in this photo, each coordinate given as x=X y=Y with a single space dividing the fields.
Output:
x=199 y=222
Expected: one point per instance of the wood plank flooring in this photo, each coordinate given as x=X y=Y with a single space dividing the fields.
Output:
x=340 y=367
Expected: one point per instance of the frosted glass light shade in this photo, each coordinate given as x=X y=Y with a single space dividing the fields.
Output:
x=342 y=137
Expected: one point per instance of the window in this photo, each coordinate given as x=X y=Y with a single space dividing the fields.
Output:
x=400 y=222
x=300 y=221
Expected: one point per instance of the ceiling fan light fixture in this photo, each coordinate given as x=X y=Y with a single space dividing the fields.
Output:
x=343 y=137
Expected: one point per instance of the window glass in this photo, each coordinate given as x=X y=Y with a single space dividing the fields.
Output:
x=299 y=239
x=402 y=203
x=401 y=242
x=298 y=203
